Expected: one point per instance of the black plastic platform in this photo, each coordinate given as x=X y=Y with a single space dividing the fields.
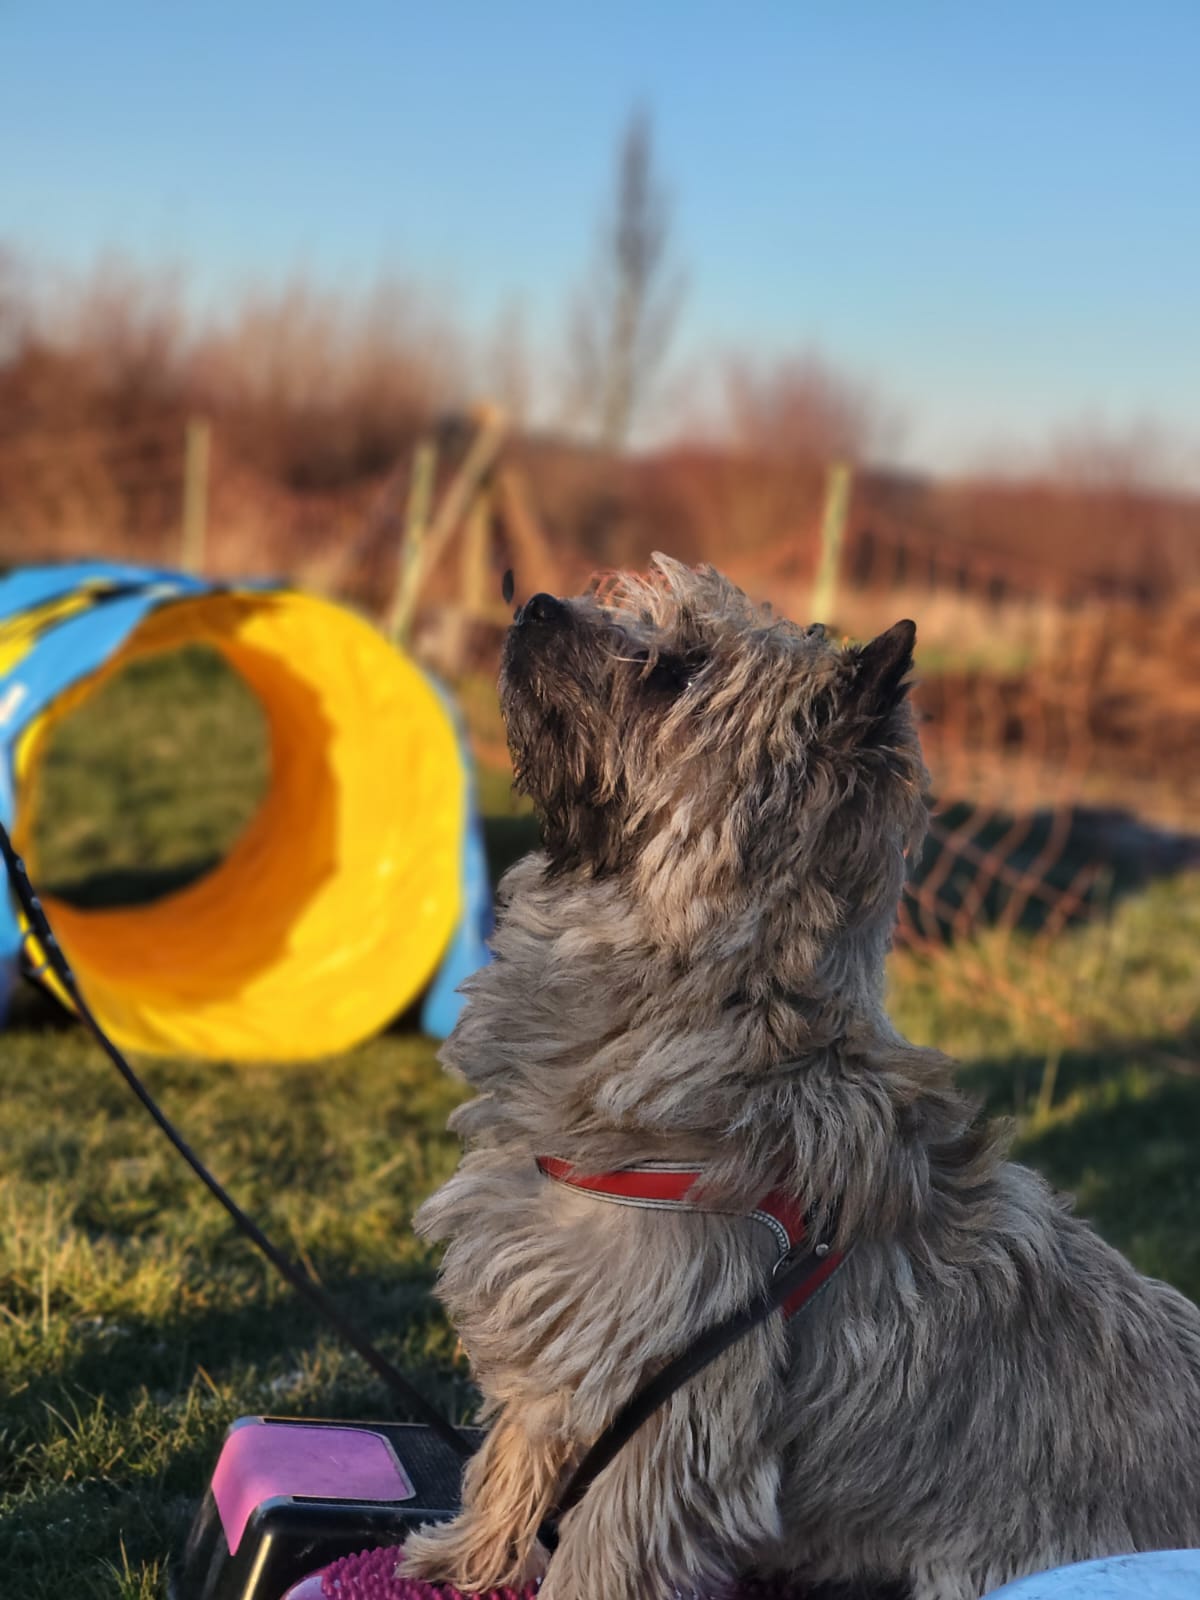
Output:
x=257 y=1531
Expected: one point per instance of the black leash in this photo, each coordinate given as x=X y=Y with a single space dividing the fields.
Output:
x=57 y=962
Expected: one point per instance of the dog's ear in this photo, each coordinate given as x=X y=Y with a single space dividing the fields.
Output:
x=881 y=670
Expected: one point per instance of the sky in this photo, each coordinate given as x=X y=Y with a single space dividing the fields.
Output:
x=989 y=209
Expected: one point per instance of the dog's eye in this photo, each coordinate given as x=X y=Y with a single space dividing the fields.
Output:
x=672 y=673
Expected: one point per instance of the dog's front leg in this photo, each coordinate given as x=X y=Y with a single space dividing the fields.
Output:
x=681 y=1510
x=507 y=1490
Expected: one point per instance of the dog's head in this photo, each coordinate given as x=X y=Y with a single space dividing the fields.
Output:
x=669 y=730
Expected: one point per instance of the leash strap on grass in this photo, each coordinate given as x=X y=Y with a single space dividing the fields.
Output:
x=401 y=1387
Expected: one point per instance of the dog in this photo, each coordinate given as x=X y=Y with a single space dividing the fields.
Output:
x=692 y=971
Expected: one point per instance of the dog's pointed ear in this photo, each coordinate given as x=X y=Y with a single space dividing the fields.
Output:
x=882 y=668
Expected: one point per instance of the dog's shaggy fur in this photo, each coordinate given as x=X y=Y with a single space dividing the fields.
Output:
x=693 y=970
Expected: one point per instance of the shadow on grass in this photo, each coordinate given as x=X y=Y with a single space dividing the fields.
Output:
x=507 y=840
x=1120 y=1131
x=132 y=886
x=271 y=1350
x=1010 y=1083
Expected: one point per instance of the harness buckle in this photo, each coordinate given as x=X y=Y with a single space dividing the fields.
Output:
x=798 y=1251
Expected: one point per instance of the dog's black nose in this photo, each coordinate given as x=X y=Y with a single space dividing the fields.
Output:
x=543 y=608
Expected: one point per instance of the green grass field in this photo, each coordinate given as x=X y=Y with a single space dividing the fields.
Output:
x=134 y=1326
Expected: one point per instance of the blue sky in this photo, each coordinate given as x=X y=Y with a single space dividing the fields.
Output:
x=990 y=209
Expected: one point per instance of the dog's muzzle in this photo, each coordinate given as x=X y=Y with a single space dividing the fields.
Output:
x=538 y=626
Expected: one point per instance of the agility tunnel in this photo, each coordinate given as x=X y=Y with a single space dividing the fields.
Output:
x=359 y=885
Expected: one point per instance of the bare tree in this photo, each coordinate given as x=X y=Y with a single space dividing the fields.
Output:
x=623 y=316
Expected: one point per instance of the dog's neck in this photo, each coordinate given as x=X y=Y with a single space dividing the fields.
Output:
x=589 y=1038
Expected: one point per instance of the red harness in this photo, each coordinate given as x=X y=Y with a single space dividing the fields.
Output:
x=664 y=1186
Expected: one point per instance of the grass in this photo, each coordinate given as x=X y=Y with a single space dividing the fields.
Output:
x=146 y=786
x=1107 y=1106
x=134 y=1327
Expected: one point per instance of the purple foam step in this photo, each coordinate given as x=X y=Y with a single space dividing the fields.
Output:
x=372 y=1575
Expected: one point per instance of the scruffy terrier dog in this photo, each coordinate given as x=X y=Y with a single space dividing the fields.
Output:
x=692 y=972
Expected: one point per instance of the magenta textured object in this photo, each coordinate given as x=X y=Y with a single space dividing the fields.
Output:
x=372 y=1575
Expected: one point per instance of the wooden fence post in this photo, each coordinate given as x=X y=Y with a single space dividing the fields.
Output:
x=533 y=559
x=833 y=528
x=455 y=504
x=416 y=526
x=475 y=548
x=196 y=455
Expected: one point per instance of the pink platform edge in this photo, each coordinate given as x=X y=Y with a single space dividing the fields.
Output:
x=261 y=1460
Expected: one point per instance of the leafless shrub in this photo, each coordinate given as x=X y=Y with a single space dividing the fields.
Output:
x=318 y=390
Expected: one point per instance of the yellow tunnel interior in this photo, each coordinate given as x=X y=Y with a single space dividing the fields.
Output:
x=336 y=903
